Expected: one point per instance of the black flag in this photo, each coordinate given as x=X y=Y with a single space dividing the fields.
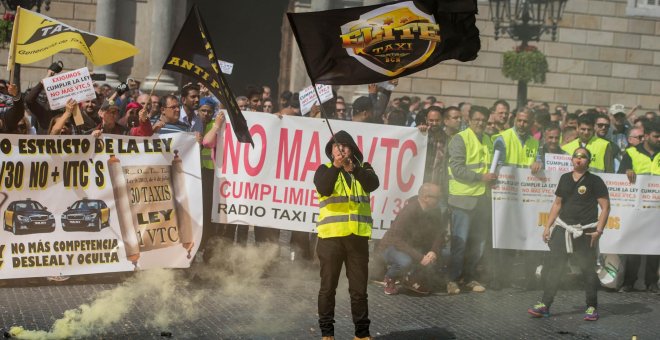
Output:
x=370 y=44
x=193 y=55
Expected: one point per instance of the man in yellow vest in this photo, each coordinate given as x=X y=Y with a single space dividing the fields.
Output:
x=344 y=228
x=600 y=149
x=470 y=153
x=519 y=149
x=643 y=159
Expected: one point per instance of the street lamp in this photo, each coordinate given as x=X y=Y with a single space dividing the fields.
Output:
x=525 y=21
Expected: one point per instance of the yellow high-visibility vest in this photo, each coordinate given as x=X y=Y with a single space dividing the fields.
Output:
x=478 y=155
x=207 y=160
x=347 y=211
x=596 y=146
x=522 y=156
x=643 y=164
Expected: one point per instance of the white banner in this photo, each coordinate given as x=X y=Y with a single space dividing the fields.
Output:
x=558 y=162
x=76 y=84
x=522 y=201
x=272 y=185
x=308 y=98
x=75 y=205
x=226 y=67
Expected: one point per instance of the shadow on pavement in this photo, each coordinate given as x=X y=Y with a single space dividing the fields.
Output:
x=435 y=333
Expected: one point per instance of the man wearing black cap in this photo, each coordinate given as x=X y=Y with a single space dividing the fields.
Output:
x=362 y=110
x=344 y=228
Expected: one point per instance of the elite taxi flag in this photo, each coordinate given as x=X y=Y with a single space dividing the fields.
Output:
x=193 y=56
x=38 y=37
x=370 y=44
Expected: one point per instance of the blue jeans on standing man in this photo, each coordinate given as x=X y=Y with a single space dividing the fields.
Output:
x=469 y=231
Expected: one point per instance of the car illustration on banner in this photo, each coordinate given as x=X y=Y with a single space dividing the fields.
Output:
x=28 y=217
x=86 y=215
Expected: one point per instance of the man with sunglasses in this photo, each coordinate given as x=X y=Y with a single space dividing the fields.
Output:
x=573 y=229
x=643 y=159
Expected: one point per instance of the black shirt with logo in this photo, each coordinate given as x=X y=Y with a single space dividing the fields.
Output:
x=580 y=198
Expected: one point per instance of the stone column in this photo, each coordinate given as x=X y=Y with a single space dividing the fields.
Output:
x=106 y=12
x=321 y=5
x=162 y=38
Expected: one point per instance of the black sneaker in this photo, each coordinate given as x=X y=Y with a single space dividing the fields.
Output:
x=626 y=289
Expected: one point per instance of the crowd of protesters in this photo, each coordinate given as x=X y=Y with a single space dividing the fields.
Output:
x=429 y=226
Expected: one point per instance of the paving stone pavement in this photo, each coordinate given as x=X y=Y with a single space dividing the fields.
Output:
x=282 y=308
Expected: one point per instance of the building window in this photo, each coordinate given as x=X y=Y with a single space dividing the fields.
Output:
x=643 y=8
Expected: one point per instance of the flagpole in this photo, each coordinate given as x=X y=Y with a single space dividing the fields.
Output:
x=12 y=46
x=155 y=83
x=323 y=111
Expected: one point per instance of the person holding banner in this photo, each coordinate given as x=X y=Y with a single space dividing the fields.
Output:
x=344 y=228
x=470 y=153
x=643 y=159
x=574 y=227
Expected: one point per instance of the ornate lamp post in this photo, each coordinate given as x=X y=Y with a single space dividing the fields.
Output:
x=525 y=21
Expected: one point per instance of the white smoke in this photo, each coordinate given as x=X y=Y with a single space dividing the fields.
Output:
x=165 y=297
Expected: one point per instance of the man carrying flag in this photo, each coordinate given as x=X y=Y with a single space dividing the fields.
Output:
x=365 y=45
x=194 y=56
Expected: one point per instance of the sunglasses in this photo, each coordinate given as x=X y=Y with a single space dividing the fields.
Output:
x=603 y=125
x=580 y=156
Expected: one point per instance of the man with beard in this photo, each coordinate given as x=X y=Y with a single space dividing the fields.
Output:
x=599 y=149
x=519 y=149
x=190 y=104
x=643 y=159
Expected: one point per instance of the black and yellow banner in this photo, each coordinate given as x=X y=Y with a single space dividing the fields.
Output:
x=370 y=44
x=37 y=37
x=194 y=56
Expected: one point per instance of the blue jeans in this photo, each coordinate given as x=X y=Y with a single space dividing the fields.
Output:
x=469 y=231
x=397 y=261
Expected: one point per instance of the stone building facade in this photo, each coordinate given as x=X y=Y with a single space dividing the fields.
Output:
x=606 y=52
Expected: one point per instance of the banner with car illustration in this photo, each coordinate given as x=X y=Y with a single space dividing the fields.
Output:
x=73 y=205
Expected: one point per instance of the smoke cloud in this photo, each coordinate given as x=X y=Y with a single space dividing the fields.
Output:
x=166 y=297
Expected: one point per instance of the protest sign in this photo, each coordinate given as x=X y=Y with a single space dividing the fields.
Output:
x=226 y=67
x=272 y=184
x=76 y=84
x=558 y=162
x=522 y=201
x=76 y=205
x=308 y=97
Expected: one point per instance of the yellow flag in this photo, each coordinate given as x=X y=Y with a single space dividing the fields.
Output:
x=38 y=37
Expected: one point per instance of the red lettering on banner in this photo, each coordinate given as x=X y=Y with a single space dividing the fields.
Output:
x=372 y=149
x=230 y=149
x=389 y=144
x=256 y=129
x=311 y=162
x=286 y=160
x=251 y=191
x=405 y=186
x=265 y=191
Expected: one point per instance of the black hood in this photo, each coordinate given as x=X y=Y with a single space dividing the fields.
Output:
x=343 y=137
